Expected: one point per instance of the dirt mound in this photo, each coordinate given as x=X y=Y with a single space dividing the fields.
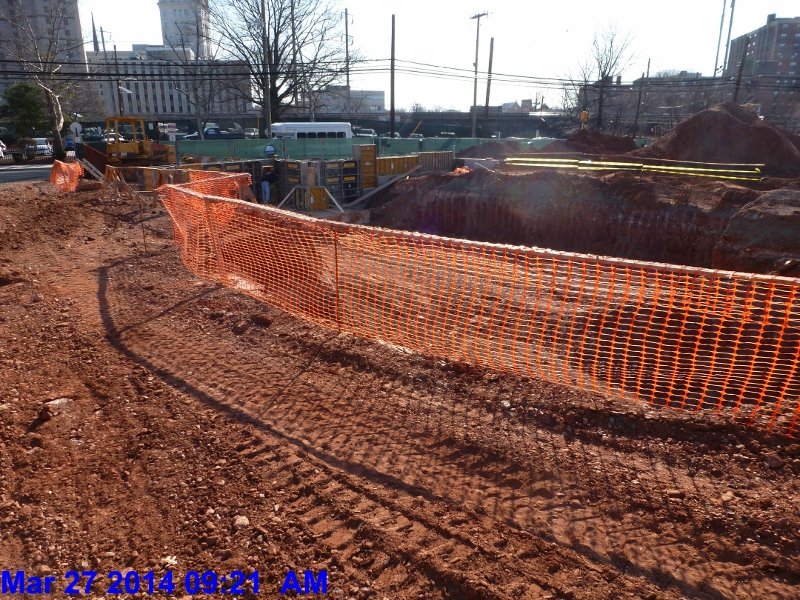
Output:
x=492 y=150
x=729 y=133
x=795 y=139
x=557 y=146
x=590 y=141
x=762 y=236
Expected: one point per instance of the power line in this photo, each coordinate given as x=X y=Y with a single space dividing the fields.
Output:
x=202 y=70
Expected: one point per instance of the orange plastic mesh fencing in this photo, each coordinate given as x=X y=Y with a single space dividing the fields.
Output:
x=683 y=338
x=65 y=176
x=226 y=185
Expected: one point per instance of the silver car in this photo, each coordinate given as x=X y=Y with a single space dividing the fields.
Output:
x=38 y=147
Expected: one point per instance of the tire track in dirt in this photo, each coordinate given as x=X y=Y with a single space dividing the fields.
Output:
x=317 y=402
x=330 y=409
x=154 y=342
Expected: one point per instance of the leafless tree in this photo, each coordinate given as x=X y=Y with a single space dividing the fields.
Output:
x=40 y=44
x=575 y=91
x=303 y=52
x=81 y=101
x=201 y=79
x=609 y=56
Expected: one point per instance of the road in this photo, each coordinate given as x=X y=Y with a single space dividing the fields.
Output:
x=25 y=172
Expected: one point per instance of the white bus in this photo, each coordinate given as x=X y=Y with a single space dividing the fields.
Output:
x=312 y=131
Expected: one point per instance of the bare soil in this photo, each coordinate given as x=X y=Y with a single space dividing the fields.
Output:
x=143 y=410
x=733 y=134
x=698 y=221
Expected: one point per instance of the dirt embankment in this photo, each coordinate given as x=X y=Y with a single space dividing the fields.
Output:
x=492 y=150
x=589 y=141
x=729 y=133
x=690 y=221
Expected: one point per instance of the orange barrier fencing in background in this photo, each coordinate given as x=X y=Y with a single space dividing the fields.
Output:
x=65 y=176
x=678 y=337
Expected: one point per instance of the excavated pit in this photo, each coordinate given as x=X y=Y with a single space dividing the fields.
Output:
x=678 y=220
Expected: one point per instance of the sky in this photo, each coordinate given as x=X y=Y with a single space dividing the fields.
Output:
x=532 y=39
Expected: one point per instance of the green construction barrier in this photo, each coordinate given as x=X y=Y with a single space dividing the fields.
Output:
x=333 y=149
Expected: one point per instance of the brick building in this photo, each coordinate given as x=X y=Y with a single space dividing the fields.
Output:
x=771 y=69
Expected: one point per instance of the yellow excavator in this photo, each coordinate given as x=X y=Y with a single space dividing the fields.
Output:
x=127 y=143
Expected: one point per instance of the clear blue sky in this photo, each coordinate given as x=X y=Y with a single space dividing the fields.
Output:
x=543 y=39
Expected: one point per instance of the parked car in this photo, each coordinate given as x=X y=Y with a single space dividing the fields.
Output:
x=214 y=133
x=92 y=134
x=251 y=132
x=114 y=138
x=38 y=148
x=364 y=132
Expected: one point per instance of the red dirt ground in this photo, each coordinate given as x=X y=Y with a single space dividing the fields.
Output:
x=143 y=410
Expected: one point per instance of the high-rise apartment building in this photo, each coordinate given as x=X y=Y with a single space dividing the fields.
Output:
x=773 y=49
x=771 y=69
x=41 y=16
x=186 y=23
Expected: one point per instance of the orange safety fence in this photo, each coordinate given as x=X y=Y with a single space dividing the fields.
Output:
x=65 y=176
x=679 y=337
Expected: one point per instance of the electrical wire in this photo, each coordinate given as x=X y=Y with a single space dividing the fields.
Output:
x=201 y=71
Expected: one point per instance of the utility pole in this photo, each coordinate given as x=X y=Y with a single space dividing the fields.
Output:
x=294 y=54
x=117 y=91
x=489 y=81
x=475 y=86
x=638 y=107
x=719 y=39
x=644 y=95
x=347 y=53
x=105 y=61
x=741 y=69
x=266 y=105
x=391 y=93
x=94 y=37
x=730 y=26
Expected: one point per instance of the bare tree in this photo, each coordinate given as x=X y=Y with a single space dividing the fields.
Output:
x=40 y=43
x=201 y=79
x=81 y=101
x=609 y=57
x=303 y=52
x=575 y=91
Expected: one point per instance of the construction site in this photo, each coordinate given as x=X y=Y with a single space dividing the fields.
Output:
x=501 y=372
